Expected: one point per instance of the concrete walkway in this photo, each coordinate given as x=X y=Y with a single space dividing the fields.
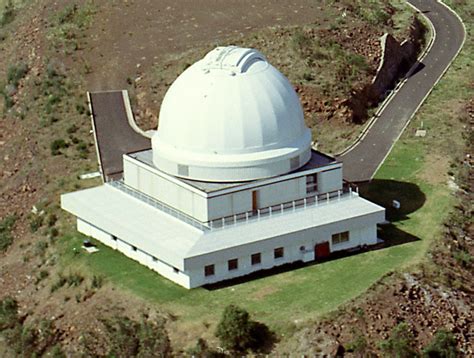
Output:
x=364 y=159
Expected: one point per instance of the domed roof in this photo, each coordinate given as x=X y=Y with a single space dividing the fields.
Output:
x=231 y=117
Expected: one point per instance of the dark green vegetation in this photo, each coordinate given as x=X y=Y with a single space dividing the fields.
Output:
x=68 y=26
x=400 y=344
x=6 y=227
x=146 y=338
x=15 y=74
x=443 y=345
x=238 y=333
x=34 y=339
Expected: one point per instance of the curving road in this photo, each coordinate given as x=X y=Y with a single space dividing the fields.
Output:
x=363 y=160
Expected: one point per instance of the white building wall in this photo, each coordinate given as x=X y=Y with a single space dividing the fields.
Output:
x=128 y=250
x=165 y=191
x=330 y=180
x=282 y=192
x=241 y=201
x=298 y=246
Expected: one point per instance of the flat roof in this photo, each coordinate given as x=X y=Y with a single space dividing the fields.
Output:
x=172 y=240
x=317 y=160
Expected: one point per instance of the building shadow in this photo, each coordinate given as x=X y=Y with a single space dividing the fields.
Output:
x=383 y=192
x=379 y=191
x=418 y=67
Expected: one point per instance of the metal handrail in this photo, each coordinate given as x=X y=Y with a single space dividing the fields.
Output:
x=119 y=184
x=241 y=218
x=279 y=209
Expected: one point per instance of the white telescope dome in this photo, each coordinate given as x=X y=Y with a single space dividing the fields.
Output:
x=231 y=117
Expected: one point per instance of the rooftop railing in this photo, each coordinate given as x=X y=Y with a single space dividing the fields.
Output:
x=119 y=184
x=310 y=201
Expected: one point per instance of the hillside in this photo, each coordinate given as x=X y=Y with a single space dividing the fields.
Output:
x=52 y=52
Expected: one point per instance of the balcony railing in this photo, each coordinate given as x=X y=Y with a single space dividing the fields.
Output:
x=119 y=184
x=276 y=210
x=242 y=218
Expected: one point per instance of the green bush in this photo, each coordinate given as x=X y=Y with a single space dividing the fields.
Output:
x=6 y=227
x=8 y=13
x=8 y=313
x=16 y=72
x=463 y=258
x=57 y=145
x=400 y=343
x=202 y=350
x=36 y=221
x=357 y=345
x=237 y=332
x=129 y=338
x=443 y=345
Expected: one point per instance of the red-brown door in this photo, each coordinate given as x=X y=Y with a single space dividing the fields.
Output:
x=321 y=250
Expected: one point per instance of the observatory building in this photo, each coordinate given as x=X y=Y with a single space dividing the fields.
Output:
x=229 y=183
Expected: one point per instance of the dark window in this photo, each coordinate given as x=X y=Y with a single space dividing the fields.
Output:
x=175 y=269
x=312 y=183
x=154 y=259
x=114 y=238
x=233 y=264
x=278 y=252
x=340 y=237
x=209 y=270
x=134 y=248
x=256 y=258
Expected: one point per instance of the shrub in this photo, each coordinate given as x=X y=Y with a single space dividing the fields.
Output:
x=16 y=72
x=8 y=313
x=6 y=227
x=8 y=13
x=97 y=281
x=443 y=345
x=357 y=345
x=36 y=221
x=129 y=338
x=57 y=145
x=463 y=258
x=400 y=342
x=237 y=332
x=202 y=350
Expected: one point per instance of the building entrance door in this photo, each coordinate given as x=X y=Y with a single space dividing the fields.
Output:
x=255 y=200
x=321 y=250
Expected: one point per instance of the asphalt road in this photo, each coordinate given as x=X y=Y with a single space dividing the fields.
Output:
x=363 y=160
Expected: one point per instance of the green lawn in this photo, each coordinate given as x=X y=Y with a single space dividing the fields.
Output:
x=412 y=173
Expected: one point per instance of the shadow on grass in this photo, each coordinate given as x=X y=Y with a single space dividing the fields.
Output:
x=384 y=191
x=379 y=191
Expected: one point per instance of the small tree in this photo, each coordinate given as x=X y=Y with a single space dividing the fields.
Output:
x=237 y=332
x=400 y=342
x=443 y=345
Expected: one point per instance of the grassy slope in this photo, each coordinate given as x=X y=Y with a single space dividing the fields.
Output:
x=314 y=290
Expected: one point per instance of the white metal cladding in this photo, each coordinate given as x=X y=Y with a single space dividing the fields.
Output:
x=231 y=117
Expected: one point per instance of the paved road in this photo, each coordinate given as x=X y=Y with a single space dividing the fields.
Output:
x=361 y=163
x=113 y=134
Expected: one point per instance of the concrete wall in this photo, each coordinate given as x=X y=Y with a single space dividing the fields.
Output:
x=205 y=209
x=165 y=190
x=136 y=254
x=330 y=180
x=241 y=201
x=298 y=246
